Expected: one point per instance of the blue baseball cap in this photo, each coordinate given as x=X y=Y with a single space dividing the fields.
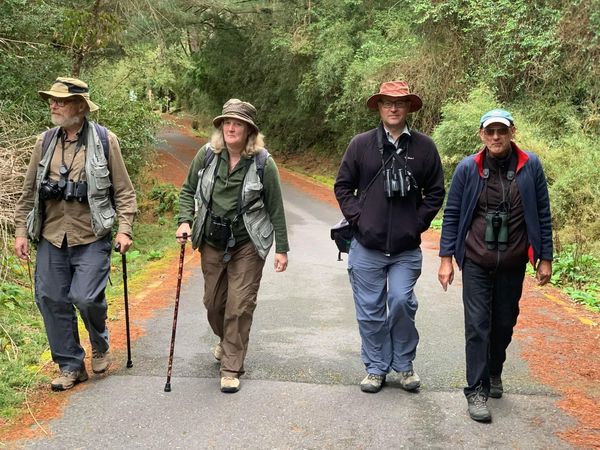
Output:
x=497 y=116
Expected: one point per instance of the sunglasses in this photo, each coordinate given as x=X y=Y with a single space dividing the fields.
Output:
x=502 y=131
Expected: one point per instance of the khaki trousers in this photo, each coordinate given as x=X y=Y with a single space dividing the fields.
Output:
x=230 y=291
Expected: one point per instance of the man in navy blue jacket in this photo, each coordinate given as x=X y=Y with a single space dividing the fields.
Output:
x=390 y=186
x=497 y=217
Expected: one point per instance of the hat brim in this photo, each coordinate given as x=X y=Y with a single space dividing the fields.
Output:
x=492 y=120
x=47 y=94
x=415 y=101
x=219 y=119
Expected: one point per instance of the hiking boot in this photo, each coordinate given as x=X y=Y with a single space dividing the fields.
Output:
x=409 y=380
x=100 y=361
x=478 y=409
x=218 y=352
x=372 y=383
x=496 y=388
x=230 y=384
x=68 y=379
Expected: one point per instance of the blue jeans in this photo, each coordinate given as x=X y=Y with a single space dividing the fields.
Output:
x=386 y=305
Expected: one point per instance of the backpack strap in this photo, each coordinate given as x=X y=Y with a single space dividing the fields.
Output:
x=103 y=135
x=49 y=137
x=100 y=130
x=260 y=160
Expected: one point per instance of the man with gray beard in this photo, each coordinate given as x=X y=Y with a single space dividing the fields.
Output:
x=76 y=185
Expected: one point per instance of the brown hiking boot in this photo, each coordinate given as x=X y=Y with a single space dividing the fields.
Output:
x=68 y=379
x=100 y=361
x=230 y=384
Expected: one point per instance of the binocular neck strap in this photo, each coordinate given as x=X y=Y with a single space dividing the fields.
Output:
x=510 y=176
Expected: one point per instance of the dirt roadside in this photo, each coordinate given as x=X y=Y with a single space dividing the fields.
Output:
x=560 y=339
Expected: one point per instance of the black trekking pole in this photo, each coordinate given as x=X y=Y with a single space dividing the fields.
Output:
x=124 y=260
x=172 y=349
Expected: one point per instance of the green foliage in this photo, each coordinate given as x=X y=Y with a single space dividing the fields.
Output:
x=167 y=195
x=457 y=135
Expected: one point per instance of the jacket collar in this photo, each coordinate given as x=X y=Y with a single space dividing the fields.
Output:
x=522 y=158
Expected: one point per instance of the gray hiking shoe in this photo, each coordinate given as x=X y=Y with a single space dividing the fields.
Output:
x=409 y=380
x=372 y=383
x=100 y=361
x=68 y=379
x=478 y=409
x=218 y=352
x=496 y=388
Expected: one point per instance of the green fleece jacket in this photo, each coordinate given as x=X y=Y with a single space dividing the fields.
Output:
x=226 y=194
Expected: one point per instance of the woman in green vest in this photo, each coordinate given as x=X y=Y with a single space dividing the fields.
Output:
x=231 y=208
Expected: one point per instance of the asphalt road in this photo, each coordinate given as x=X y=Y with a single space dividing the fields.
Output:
x=303 y=368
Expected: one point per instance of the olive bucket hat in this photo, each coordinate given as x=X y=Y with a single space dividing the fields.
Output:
x=237 y=109
x=70 y=87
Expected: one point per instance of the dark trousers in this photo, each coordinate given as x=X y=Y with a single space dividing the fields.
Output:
x=66 y=278
x=491 y=305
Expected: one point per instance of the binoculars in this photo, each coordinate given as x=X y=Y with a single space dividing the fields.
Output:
x=219 y=230
x=496 y=230
x=397 y=182
x=63 y=190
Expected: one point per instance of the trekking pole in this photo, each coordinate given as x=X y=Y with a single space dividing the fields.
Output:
x=172 y=349
x=124 y=260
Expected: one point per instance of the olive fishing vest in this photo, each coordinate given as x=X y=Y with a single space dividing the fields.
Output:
x=98 y=181
x=256 y=218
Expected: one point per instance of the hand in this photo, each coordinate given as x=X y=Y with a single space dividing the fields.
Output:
x=22 y=247
x=446 y=272
x=281 y=262
x=543 y=272
x=122 y=243
x=184 y=228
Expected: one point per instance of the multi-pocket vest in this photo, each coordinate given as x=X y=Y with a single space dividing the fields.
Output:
x=256 y=218
x=102 y=211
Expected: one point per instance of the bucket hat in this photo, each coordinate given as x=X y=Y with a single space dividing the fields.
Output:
x=70 y=87
x=237 y=109
x=497 y=116
x=398 y=90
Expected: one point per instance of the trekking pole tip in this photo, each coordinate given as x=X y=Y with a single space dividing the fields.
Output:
x=129 y=364
x=168 y=387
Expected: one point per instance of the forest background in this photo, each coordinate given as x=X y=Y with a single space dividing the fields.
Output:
x=308 y=66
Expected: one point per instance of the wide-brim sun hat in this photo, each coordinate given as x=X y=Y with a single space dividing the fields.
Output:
x=497 y=116
x=64 y=87
x=240 y=110
x=398 y=90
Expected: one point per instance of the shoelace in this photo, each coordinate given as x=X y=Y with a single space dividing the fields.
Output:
x=372 y=376
x=97 y=354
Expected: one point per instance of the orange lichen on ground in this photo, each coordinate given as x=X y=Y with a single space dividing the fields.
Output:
x=563 y=351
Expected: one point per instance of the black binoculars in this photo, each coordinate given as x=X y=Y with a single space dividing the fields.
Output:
x=496 y=230
x=397 y=182
x=63 y=190
x=218 y=230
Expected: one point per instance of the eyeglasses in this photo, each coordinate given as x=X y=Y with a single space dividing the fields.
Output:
x=59 y=101
x=502 y=131
x=399 y=104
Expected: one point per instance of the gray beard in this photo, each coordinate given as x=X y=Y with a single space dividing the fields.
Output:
x=66 y=122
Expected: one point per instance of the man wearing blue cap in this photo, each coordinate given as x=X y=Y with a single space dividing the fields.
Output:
x=497 y=217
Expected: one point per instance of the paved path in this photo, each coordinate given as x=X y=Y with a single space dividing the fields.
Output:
x=303 y=366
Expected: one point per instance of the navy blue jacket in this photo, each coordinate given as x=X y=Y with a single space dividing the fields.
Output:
x=467 y=184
